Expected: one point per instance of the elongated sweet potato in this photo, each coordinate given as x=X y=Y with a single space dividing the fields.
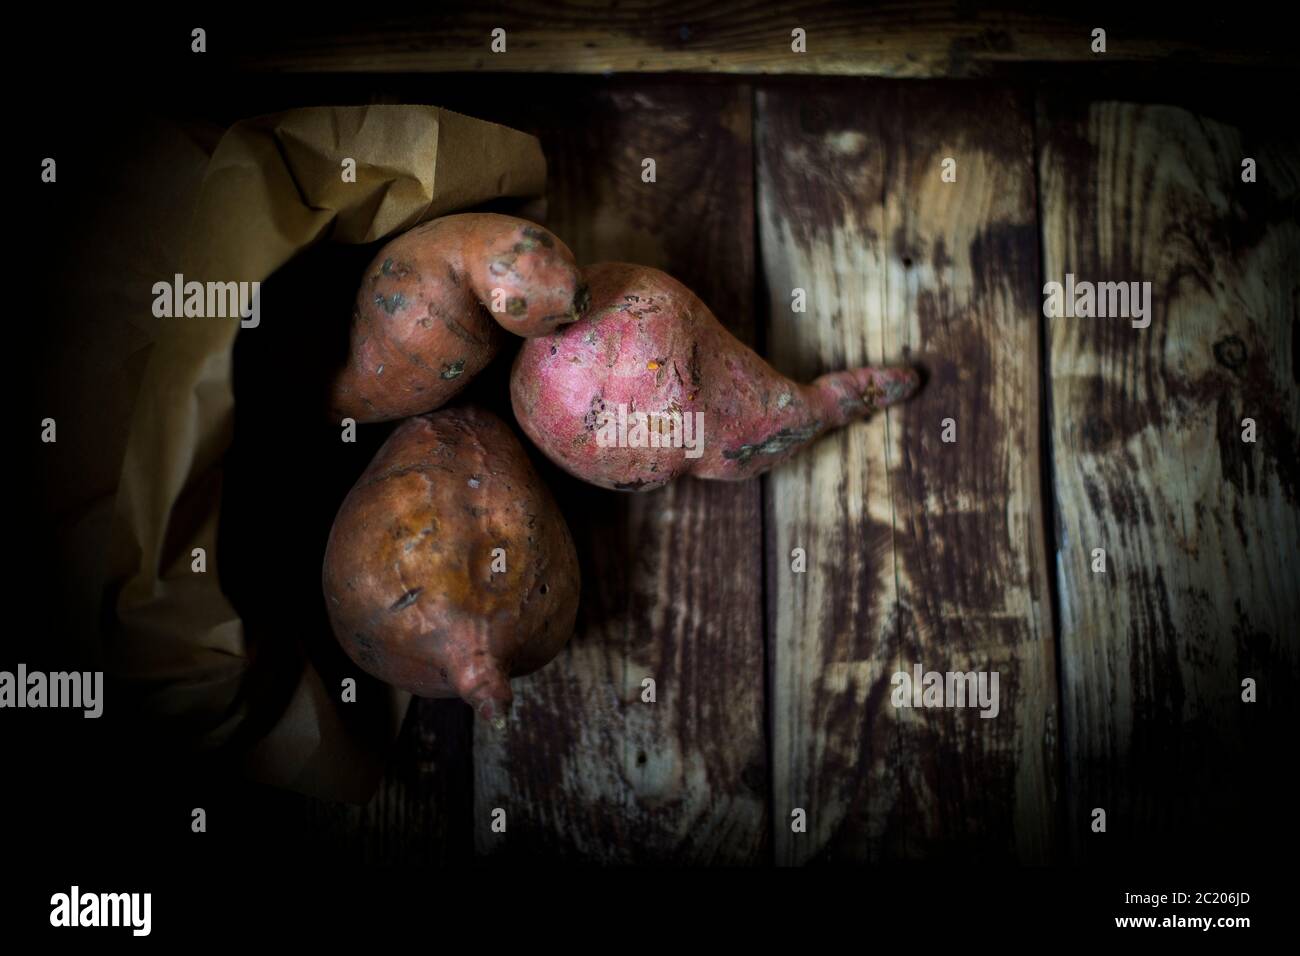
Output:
x=422 y=325
x=648 y=385
x=449 y=568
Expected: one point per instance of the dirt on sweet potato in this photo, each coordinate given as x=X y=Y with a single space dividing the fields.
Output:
x=449 y=568
x=433 y=303
x=648 y=385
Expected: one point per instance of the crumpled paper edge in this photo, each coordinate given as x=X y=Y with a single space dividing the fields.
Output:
x=273 y=188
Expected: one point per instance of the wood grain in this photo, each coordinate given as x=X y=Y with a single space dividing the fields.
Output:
x=421 y=813
x=918 y=551
x=930 y=38
x=671 y=579
x=1201 y=531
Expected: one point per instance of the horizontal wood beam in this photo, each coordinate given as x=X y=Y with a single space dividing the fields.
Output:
x=932 y=38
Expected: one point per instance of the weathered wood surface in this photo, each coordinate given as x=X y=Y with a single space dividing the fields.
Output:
x=919 y=551
x=930 y=38
x=1201 y=530
x=671 y=579
x=421 y=814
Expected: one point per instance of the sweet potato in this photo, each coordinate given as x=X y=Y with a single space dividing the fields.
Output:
x=422 y=325
x=419 y=594
x=648 y=346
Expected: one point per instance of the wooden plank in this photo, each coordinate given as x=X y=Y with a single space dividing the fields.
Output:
x=671 y=579
x=919 y=551
x=421 y=813
x=929 y=38
x=970 y=541
x=820 y=177
x=1200 y=529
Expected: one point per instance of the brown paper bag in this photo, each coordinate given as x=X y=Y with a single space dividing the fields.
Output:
x=273 y=187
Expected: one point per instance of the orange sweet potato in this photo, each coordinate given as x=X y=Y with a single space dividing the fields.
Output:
x=422 y=325
x=449 y=568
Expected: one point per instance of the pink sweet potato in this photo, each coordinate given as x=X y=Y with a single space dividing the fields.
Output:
x=422 y=325
x=449 y=568
x=647 y=346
